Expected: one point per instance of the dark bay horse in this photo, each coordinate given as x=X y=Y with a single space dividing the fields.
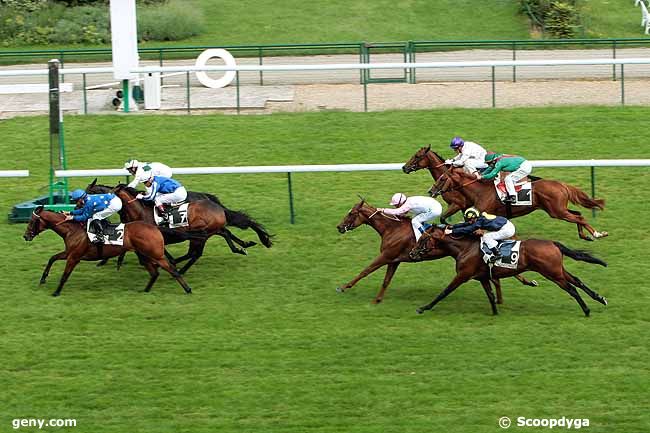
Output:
x=205 y=216
x=425 y=158
x=542 y=256
x=94 y=188
x=549 y=195
x=397 y=240
x=146 y=240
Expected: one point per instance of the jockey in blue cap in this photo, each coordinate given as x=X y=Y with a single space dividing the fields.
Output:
x=470 y=155
x=163 y=190
x=94 y=207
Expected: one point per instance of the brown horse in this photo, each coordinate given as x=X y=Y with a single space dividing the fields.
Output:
x=205 y=216
x=545 y=257
x=145 y=239
x=397 y=240
x=426 y=158
x=549 y=195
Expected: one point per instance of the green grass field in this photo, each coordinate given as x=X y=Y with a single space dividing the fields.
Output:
x=611 y=18
x=265 y=344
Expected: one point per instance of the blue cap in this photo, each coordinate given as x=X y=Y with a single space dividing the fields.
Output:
x=77 y=194
x=456 y=142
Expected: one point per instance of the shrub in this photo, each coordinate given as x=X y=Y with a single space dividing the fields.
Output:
x=169 y=22
x=561 y=20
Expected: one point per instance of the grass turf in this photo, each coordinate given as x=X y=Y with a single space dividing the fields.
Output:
x=265 y=343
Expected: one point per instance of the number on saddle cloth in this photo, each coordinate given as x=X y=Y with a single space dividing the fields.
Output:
x=509 y=250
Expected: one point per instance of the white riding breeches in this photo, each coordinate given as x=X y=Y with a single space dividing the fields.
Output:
x=114 y=206
x=472 y=165
x=421 y=218
x=490 y=238
x=524 y=170
x=179 y=195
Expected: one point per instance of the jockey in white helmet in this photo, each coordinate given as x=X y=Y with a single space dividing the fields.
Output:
x=470 y=155
x=423 y=209
x=141 y=171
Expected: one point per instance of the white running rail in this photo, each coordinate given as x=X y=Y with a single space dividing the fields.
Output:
x=14 y=173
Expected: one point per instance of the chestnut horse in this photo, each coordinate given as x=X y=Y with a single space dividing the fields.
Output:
x=146 y=240
x=426 y=158
x=549 y=195
x=204 y=215
x=545 y=257
x=397 y=240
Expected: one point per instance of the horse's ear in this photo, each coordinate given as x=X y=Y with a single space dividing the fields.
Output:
x=363 y=200
x=39 y=209
x=428 y=148
x=93 y=183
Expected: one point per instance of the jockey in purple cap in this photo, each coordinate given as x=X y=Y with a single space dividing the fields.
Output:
x=470 y=155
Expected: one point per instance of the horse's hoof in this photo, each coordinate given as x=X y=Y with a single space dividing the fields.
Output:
x=587 y=313
x=55 y=294
x=340 y=290
x=377 y=301
x=42 y=281
x=251 y=244
x=600 y=235
x=604 y=300
x=188 y=292
x=419 y=311
x=534 y=283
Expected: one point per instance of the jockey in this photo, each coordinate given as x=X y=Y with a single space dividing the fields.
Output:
x=163 y=190
x=518 y=167
x=423 y=208
x=140 y=171
x=491 y=228
x=471 y=156
x=96 y=208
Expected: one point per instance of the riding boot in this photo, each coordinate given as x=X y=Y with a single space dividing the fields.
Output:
x=98 y=228
x=162 y=213
x=496 y=254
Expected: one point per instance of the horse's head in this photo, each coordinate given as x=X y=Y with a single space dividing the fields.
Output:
x=354 y=218
x=417 y=161
x=36 y=225
x=428 y=246
x=446 y=182
x=124 y=192
x=93 y=188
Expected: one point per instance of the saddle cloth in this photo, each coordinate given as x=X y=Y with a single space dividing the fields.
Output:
x=178 y=216
x=524 y=189
x=509 y=250
x=113 y=233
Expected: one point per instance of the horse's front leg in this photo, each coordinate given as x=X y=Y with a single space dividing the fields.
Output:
x=490 y=295
x=457 y=281
x=58 y=256
x=452 y=209
x=69 y=267
x=376 y=264
x=390 y=271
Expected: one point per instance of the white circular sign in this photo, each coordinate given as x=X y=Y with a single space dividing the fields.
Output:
x=202 y=60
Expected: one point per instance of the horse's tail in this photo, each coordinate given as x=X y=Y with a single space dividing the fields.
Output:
x=243 y=221
x=576 y=196
x=580 y=255
x=178 y=235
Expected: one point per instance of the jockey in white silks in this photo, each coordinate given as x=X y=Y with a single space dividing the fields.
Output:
x=141 y=171
x=423 y=209
x=471 y=156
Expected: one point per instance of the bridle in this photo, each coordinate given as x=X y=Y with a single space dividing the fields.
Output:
x=455 y=187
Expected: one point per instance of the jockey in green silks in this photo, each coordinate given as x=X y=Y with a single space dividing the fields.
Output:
x=518 y=167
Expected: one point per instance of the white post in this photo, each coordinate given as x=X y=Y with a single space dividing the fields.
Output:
x=124 y=39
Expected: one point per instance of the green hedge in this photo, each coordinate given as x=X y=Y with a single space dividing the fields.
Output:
x=558 y=18
x=33 y=22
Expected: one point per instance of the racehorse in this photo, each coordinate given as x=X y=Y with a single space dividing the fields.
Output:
x=426 y=158
x=204 y=215
x=94 y=188
x=542 y=256
x=549 y=195
x=397 y=240
x=146 y=240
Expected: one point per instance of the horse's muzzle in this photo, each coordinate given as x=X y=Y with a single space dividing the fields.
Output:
x=415 y=255
x=407 y=169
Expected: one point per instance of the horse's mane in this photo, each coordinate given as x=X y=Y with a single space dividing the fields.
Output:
x=437 y=155
x=126 y=188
